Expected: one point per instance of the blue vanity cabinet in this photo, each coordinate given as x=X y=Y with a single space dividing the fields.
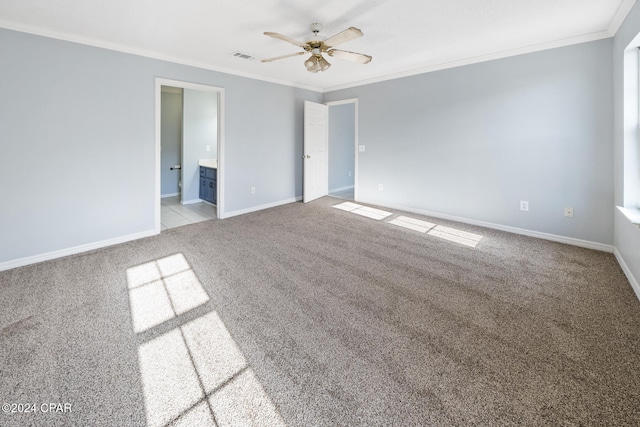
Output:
x=208 y=184
x=203 y=184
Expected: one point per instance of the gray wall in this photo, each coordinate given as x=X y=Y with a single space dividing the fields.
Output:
x=171 y=137
x=473 y=141
x=470 y=142
x=199 y=130
x=627 y=237
x=341 y=145
x=78 y=143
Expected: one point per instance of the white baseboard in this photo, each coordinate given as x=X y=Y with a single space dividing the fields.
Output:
x=259 y=208
x=337 y=190
x=191 y=202
x=8 y=265
x=515 y=230
x=20 y=262
x=162 y=196
x=627 y=272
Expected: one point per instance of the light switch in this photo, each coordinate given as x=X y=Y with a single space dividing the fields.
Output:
x=361 y=148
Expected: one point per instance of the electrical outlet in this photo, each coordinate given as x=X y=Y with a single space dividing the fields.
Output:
x=568 y=212
x=379 y=187
x=349 y=173
x=361 y=148
x=524 y=205
x=253 y=190
x=208 y=148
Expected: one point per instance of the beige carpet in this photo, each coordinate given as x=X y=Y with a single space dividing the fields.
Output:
x=309 y=315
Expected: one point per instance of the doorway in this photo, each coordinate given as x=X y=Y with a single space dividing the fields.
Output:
x=203 y=111
x=171 y=141
x=343 y=149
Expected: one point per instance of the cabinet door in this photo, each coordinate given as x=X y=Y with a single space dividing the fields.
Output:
x=214 y=198
x=203 y=188
x=211 y=185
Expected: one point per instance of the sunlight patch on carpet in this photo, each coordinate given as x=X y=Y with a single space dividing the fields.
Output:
x=347 y=206
x=440 y=231
x=412 y=224
x=454 y=235
x=170 y=385
x=366 y=211
x=243 y=402
x=160 y=290
x=195 y=373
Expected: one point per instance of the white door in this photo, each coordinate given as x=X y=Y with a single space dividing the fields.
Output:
x=316 y=144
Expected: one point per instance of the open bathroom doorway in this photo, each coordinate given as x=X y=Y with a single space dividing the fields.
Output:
x=171 y=142
x=189 y=133
x=343 y=149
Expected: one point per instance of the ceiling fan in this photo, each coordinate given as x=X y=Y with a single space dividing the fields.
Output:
x=317 y=45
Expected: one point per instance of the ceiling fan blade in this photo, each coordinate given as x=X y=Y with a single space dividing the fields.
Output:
x=350 y=56
x=343 y=37
x=283 y=56
x=285 y=38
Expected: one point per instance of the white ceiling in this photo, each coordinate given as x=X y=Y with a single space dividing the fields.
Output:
x=404 y=36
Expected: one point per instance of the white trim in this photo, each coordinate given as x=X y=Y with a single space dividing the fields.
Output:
x=221 y=141
x=74 y=38
x=355 y=137
x=221 y=171
x=627 y=272
x=336 y=190
x=8 y=265
x=191 y=202
x=157 y=163
x=341 y=102
x=631 y=213
x=620 y=16
x=356 y=167
x=162 y=196
x=515 y=230
x=617 y=20
x=475 y=60
x=261 y=207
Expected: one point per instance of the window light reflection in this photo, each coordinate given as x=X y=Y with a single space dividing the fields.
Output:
x=446 y=233
x=367 y=211
x=161 y=289
x=194 y=374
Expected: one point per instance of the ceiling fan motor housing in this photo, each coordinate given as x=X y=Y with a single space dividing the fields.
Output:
x=316 y=27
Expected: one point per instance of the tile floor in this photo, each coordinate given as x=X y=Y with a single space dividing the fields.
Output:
x=346 y=194
x=173 y=214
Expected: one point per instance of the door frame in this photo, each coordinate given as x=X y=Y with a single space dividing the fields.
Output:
x=159 y=82
x=355 y=138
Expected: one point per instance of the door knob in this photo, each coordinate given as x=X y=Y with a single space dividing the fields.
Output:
x=308 y=156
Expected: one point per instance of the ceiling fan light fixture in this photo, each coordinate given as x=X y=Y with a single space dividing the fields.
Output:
x=310 y=63
x=323 y=63
x=316 y=63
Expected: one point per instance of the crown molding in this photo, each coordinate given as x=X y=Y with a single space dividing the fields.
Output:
x=73 y=38
x=617 y=20
x=477 y=59
x=620 y=16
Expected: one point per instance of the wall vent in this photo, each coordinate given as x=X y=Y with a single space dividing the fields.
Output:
x=243 y=56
